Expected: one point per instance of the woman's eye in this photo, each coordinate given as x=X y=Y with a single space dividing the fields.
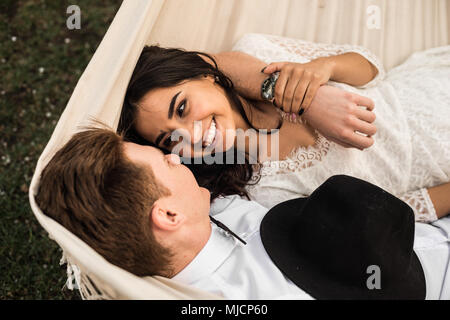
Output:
x=181 y=107
x=167 y=142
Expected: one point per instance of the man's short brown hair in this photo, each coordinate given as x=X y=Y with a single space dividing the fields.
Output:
x=94 y=191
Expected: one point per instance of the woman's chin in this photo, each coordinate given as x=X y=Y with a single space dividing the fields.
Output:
x=216 y=149
x=219 y=144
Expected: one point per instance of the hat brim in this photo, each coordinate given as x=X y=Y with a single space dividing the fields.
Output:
x=275 y=235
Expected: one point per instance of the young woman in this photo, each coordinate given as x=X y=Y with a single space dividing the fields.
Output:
x=317 y=124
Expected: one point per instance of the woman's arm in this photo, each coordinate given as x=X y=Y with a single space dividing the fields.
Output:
x=335 y=114
x=298 y=82
x=352 y=68
x=440 y=196
x=241 y=67
x=429 y=204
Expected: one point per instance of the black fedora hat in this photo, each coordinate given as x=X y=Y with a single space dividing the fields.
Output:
x=332 y=242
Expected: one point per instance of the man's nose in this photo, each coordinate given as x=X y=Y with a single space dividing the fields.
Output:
x=173 y=158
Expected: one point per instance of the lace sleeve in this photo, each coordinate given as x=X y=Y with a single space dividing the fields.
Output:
x=420 y=202
x=271 y=48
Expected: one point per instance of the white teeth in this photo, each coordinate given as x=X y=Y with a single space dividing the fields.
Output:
x=211 y=134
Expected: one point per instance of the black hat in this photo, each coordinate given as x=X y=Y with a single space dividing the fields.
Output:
x=333 y=243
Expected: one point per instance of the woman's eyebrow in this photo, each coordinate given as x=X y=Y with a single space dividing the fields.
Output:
x=172 y=105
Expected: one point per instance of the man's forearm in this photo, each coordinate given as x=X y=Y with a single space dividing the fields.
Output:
x=352 y=68
x=244 y=71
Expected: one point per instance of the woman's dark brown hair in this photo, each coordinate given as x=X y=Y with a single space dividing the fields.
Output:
x=166 y=67
x=94 y=191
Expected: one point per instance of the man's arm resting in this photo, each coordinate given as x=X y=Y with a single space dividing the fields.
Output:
x=244 y=70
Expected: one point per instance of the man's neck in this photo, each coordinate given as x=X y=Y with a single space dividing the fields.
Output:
x=183 y=252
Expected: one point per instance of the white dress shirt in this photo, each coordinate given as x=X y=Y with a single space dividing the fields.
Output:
x=432 y=246
x=227 y=267
x=235 y=271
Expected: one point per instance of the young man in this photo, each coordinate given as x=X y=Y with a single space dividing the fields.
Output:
x=144 y=212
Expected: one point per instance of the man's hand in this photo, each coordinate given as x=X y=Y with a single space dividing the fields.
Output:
x=338 y=114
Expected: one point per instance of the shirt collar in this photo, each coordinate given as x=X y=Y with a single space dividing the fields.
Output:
x=217 y=249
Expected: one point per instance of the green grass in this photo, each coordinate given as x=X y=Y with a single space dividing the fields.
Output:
x=40 y=63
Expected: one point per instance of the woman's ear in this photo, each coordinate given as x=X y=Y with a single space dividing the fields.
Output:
x=165 y=219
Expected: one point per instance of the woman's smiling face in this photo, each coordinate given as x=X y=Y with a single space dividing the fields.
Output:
x=197 y=112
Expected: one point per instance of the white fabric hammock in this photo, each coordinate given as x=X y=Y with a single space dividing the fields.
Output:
x=405 y=26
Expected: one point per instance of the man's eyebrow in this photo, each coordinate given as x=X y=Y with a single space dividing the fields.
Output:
x=172 y=104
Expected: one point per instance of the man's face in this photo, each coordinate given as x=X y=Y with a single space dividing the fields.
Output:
x=186 y=195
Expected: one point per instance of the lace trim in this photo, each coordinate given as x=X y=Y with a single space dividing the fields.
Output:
x=420 y=202
x=300 y=158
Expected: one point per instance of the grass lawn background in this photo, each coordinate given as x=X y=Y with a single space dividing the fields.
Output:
x=41 y=61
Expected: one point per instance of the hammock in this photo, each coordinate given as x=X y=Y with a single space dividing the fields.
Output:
x=404 y=26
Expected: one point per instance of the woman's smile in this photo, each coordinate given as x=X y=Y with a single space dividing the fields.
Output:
x=210 y=135
x=205 y=117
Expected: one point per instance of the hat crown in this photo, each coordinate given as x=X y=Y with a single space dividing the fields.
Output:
x=325 y=243
x=347 y=227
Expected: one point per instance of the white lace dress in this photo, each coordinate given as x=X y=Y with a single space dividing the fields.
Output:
x=412 y=143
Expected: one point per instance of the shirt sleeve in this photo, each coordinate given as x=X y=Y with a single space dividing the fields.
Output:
x=420 y=202
x=269 y=47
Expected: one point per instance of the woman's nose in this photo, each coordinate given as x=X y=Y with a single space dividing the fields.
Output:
x=173 y=158
x=197 y=134
x=190 y=133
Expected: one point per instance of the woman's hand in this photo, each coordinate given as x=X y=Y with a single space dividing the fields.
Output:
x=298 y=82
x=338 y=114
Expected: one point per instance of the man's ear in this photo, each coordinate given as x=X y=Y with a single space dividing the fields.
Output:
x=164 y=218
